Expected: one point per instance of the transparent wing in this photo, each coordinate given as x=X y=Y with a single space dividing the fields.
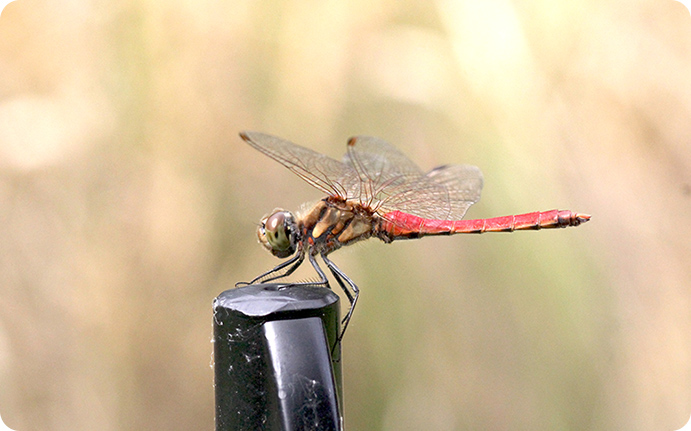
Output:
x=389 y=181
x=381 y=168
x=379 y=176
x=444 y=193
x=326 y=174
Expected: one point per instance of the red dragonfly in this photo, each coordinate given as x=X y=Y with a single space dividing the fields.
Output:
x=375 y=191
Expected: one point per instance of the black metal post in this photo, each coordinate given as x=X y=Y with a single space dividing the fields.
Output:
x=272 y=358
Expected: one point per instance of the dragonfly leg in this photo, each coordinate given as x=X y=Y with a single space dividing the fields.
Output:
x=279 y=271
x=352 y=297
x=324 y=281
x=295 y=261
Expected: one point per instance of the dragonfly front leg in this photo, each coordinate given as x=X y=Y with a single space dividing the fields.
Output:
x=352 y=297
x=292 y=264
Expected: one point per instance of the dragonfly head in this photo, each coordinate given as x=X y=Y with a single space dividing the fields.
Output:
x=278 y=233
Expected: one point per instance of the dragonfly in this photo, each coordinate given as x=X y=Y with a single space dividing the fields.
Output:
x=374 y=191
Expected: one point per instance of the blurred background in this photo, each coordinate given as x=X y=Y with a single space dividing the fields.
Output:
x=128 y=202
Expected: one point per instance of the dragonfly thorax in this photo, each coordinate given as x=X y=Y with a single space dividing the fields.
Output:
x=278 y=233
x=333 y=223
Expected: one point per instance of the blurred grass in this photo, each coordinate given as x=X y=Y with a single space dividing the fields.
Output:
x=127 y=202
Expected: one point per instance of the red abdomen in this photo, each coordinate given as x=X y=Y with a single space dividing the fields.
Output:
x=397 y=224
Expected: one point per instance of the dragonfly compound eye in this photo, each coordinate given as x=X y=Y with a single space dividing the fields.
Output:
x=275 y=233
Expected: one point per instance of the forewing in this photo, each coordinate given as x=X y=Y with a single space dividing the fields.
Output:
x=326 y=174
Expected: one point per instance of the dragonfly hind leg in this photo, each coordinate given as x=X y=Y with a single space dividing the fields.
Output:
x=352 y=297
